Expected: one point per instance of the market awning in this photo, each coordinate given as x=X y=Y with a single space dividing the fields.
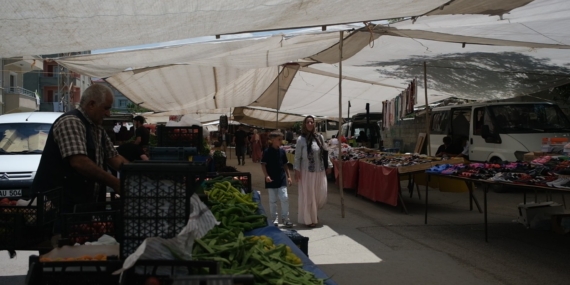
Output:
x=32 y=28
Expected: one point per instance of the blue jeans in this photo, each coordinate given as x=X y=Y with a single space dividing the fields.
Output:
x=281 y=194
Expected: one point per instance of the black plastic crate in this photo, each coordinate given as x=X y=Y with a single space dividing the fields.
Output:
x=21 y=227
x=172 y=153
x=179 y=136
x=72 y=272
x=215 y=279
x=244 y=177
x=164 y=271
x=88 y=227
x=299 y=240
x=156 y=200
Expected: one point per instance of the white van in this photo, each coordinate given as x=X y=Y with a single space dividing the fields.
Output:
x=370 y=130
x=22 y=140
x=498 y=132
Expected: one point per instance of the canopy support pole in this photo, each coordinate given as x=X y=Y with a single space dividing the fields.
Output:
x=277 y=108
x=339 y=158
x=427 y=111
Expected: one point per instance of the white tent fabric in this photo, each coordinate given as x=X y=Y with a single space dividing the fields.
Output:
x=246 y=53
x=206 y=77
x=50 y=27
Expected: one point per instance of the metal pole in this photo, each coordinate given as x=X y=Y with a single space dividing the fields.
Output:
x=278 y=87
x=427 y=110
x=340 y=162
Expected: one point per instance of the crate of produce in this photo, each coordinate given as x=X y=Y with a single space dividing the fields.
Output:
x=27 y=224
x=88 y=226
x=172 y=153
x=238 y=179
x=81 y=270
x=299 y=240
x=156 y=200
x=179 y=136
x=164 y=271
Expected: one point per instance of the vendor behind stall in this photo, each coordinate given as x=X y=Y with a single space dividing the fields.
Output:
x=77 y=152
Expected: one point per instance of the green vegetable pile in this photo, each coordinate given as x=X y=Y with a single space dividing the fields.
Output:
x=237 y=254
x=256 y=255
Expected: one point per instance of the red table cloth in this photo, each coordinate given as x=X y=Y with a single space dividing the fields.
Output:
x=378 y=183
x=349 y=173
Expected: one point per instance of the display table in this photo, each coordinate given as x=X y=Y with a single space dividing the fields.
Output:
x=486 y=185
x=349 y=173
x=378 y=183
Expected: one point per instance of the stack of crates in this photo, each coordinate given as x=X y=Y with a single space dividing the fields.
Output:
x=179 y=136
x=24 y=226
x=156 y=200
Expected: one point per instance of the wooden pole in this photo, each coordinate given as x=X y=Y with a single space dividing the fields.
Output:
x=427 y=111
x=340 y=162
x=278 y=87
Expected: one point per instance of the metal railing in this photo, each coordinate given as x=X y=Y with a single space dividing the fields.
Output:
x=19 y=90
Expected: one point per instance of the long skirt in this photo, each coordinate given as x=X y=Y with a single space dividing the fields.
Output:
x=256 y=152
x=312 y=196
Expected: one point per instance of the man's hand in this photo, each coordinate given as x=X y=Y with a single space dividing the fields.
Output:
x=289 y=181
x=268 y=179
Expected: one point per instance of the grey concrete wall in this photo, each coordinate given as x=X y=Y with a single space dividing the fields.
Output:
x=407 y=131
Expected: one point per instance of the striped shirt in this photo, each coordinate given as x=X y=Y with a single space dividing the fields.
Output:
x=69 y=135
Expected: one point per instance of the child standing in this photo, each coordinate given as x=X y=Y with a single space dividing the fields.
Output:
x=277 y=177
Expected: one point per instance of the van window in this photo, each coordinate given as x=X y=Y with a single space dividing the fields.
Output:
x=332 y=125
x=478 y=121
x=440 y=122
x=23 y=137
x=460 y=122
x=529 y=118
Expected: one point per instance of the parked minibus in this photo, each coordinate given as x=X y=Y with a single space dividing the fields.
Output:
x=497 y=132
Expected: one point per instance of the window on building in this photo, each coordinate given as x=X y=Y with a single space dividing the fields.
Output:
x=123 y=103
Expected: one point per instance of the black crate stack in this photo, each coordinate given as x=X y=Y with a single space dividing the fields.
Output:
x=179 y=137
x=24 y=226
x=156 y=200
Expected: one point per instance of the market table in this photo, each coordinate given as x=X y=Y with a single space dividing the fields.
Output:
x=486 y=184
x=379 y=183
x=349 y=173
x=281 y=238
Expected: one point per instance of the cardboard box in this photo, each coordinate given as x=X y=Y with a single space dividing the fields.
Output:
x=530 y=156
x=529 y=211
x=561 y=223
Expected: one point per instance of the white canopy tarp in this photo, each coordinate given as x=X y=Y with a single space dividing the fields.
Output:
x=489 y=67
x=48 y=27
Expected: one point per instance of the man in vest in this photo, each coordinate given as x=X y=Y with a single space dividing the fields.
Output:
x=77 y=152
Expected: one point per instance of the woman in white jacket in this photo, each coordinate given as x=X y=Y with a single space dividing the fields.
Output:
x=310 y=173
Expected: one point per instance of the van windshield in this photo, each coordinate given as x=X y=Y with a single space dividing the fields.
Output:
x=23 y=138
x=529 y=118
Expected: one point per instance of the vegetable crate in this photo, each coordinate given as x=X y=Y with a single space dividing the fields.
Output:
x=21 y=227
x=243 y=177
x=299 y=240
x=156 y=200
x=72 y=272
x=179 y=136
x=172 y=153
x=163 y=271
x=87 y=227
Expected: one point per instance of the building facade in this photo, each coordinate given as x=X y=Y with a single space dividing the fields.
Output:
x=14 y=96
x=59 y=89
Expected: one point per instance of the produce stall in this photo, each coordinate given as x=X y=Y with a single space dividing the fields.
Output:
x=153 y=212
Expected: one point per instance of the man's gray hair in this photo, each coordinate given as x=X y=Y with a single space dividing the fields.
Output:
x=95 y=92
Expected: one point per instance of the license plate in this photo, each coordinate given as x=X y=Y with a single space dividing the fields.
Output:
x=11 y=193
